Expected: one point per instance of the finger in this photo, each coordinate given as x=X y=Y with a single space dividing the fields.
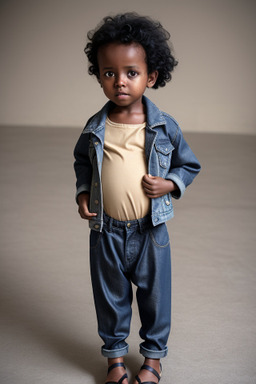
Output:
x=148 y=183
x=88 y=217
x=152 y=195
x=148 y=190
x=151 y=186
x=86 y=214
x=151 y=180
x=147 y=178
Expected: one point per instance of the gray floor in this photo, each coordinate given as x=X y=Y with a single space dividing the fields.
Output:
x=48 y=323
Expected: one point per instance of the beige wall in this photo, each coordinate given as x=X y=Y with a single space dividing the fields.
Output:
x=43 y=74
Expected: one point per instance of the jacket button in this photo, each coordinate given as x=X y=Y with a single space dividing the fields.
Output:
x=96 y=202
x=95 y=184
x=96 y=226
x=167 y=202
x=96 y=143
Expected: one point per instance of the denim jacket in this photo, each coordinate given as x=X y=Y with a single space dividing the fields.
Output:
x=167 y=155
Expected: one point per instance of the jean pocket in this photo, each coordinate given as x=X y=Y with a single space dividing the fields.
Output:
x=160 y=236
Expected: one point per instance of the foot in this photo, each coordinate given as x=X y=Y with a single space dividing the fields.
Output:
x=115 y=374
x=147 y=376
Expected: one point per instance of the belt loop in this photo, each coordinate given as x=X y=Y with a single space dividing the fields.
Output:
x=144 y=224
x=140 y=226
x=110 y=224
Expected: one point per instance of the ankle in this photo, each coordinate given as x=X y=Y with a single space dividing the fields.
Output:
x=115 y=360
x=154 y=363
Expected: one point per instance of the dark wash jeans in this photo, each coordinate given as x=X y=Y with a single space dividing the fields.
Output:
x=127 y=252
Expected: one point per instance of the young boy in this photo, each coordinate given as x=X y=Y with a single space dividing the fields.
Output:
x=131 y=159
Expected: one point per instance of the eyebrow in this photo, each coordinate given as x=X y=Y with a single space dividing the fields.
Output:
x=127 y=67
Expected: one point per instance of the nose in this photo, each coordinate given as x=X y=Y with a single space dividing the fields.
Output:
x=120 y=81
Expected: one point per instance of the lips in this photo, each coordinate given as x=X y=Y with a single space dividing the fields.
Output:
x=121 y=94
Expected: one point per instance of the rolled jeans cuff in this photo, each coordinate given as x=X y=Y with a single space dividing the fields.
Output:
x=113 y=353
x=153 y=354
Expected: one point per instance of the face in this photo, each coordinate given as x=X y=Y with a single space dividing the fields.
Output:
x=123 y=73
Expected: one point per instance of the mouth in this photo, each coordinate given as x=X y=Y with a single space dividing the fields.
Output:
x=120 y=94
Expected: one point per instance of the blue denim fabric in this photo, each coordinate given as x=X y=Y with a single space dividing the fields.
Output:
x=167 y=155
x=127 y=252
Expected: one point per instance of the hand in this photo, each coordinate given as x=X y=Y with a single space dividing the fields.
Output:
x=83 y=204
x=155 y=186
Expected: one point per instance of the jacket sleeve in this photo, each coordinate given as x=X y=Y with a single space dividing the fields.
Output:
x=82 y=165
x=184 y=165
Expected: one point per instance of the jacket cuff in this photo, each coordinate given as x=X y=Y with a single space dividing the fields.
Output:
x=181 y=186
x=85 y=188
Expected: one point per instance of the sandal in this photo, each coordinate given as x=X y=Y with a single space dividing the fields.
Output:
x=152 y=370
x=122 y=378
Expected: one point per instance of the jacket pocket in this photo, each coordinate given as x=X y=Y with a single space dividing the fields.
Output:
x=164 y=151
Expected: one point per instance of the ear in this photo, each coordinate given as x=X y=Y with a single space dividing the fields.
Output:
x=152 y=77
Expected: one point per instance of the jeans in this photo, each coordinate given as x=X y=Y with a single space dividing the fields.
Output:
x=127 y=252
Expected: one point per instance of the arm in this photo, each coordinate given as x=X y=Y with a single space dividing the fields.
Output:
x=82 y=165
x=184 y=167
x=83 y=170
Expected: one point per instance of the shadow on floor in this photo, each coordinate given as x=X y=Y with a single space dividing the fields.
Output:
x=50 y=334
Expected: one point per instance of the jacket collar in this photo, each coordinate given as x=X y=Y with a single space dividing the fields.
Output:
x=154 y=116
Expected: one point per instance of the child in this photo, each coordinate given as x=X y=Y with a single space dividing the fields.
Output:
x=131 y=159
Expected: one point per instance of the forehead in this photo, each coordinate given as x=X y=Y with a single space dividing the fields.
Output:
x=118 y=53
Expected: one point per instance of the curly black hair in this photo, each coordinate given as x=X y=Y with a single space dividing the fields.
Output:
x=128 y=28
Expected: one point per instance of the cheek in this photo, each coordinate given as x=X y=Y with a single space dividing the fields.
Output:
x=141 y=85
x=104 y=85
x=106 y=89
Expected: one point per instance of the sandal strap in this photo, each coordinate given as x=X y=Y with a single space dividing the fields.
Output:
x=122 y=378
x=138 y=379
x=152 y=370
x=119 y=381
x=144 y=382
x=115 y=366
x=125 y=376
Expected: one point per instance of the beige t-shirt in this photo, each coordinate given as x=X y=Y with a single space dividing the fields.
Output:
x=123 y=167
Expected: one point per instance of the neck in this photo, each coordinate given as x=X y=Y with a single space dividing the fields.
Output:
x=128 y=115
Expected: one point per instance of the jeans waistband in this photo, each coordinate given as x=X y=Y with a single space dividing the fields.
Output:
x=139 y=224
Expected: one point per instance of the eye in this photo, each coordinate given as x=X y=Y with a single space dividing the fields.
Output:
x=132 y=73
x=109 y=74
